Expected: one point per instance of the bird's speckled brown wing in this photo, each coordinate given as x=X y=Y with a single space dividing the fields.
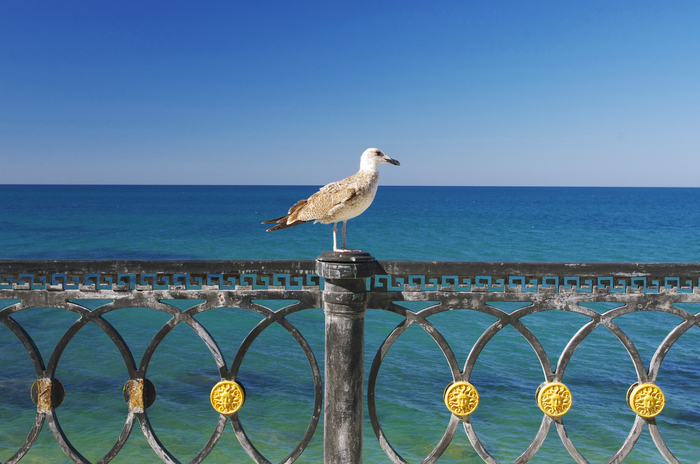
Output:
x=322 y=203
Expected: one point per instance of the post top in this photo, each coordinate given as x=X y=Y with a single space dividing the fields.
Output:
x=345 y=265
x=345 y=257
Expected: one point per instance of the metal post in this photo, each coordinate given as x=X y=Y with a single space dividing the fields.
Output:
x=344 y=304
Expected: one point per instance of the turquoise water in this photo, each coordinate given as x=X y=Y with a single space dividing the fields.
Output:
x=406 y=223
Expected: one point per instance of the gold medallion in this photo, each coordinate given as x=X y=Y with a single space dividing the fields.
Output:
x=646 y=399
x=554 y=399
x=461 y=398
x=227 y=397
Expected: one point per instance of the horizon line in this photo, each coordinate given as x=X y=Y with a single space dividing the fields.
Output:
x=321 y=185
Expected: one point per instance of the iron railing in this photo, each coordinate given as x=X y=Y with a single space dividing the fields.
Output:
x=345 y=285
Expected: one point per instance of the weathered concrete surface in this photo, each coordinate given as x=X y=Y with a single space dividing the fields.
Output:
x=344 y=304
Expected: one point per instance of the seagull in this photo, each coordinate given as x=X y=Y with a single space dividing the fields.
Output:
x=339 y=201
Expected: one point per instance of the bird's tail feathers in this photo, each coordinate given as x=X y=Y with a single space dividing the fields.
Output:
x=283 y=224
x=279 y=219
x=284 y=220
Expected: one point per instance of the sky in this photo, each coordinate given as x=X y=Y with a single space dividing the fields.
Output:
x=482 y=93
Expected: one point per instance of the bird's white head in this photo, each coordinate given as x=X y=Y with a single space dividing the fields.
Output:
x=373 y=157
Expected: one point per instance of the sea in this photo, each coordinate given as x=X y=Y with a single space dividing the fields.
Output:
x=554 y=224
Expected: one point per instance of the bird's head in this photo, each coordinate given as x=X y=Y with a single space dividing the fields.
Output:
x=373 y=157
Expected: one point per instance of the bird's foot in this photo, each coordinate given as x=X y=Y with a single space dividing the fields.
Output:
x=345 y=250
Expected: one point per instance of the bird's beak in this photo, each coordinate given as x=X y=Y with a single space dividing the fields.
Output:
x=392 y=161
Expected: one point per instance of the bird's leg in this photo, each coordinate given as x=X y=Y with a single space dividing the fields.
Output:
x=335 y=229
x=345 y=250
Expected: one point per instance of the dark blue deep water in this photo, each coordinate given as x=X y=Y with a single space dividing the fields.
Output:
x=404 y=223
x=413 y=223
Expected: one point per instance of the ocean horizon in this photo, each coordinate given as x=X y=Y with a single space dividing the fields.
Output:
x=415 y=223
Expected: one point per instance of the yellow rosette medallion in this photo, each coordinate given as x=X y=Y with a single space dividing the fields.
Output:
x=646 y=399
x=461 y=398
x=554 y=399
x=227 y=397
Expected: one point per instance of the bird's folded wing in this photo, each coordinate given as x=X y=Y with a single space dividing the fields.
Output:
x=321 y=203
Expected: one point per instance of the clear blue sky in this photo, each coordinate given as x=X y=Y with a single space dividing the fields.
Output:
x=589 y=93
